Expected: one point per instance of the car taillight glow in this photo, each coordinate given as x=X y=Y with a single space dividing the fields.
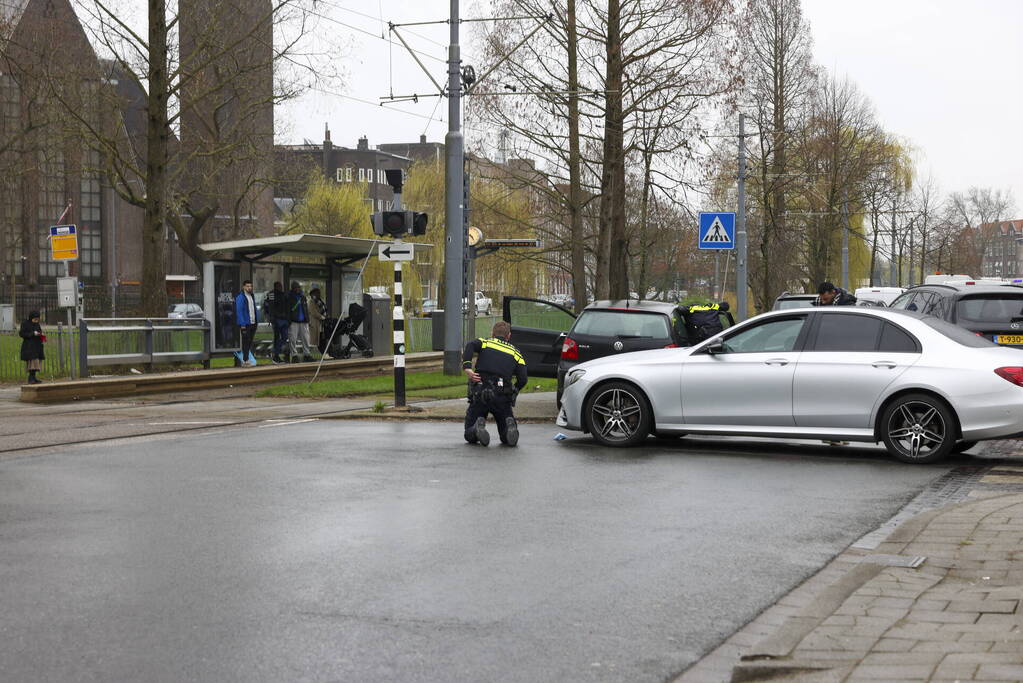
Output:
x=671 y=346
x=570 y=349
x=1014 y=375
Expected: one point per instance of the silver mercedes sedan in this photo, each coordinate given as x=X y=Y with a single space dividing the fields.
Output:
x=922 y=386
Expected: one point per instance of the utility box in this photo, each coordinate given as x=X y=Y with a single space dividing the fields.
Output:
x=378 y=326
x=437 y=330
x=67 y=292
x=6 y=317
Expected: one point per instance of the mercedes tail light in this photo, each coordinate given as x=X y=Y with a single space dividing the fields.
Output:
x=1014 y=375
x=570 y=349
x=671 y=346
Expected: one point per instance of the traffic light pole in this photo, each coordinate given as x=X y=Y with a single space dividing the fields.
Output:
x=453 y=188
x=741 y=284
x=398 y=323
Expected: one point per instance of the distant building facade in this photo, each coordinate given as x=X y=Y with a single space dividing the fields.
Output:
x=1003 y=248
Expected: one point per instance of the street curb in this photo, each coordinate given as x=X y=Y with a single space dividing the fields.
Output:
x=766 y=661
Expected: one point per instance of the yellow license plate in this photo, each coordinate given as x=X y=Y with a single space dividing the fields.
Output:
x=1009 y=338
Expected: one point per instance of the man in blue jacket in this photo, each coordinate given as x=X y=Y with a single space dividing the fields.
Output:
x=248 y=317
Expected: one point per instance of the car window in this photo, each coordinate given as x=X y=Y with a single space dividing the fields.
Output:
x=785 y=304
x=990 y=308
x=623 y=324
x=905 y=301
x=844 y=332
x=538 y=315
x=932 y=303
x=773 y=335
x=894 y=339
x=960 y=335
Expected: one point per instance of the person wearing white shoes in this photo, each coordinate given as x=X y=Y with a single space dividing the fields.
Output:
x=248 y=317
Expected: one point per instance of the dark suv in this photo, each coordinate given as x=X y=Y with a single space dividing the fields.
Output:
x=553 y=340
x=991 y=311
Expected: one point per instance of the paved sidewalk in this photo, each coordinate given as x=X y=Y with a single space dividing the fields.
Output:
x=953 y=614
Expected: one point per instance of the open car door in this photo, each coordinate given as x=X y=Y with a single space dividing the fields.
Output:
x=538 y=331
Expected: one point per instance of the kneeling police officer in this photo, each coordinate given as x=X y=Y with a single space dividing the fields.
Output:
x=490 y=385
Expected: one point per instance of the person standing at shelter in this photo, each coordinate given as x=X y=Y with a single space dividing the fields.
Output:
x=298 y=315
x=317 y=314
x=247 y=316
x=490 y=385
x=275 y=308
x=32 y=339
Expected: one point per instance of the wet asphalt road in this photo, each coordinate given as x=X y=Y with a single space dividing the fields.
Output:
x=365 y=551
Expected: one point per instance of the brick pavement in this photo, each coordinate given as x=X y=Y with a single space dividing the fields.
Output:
x=957 y=616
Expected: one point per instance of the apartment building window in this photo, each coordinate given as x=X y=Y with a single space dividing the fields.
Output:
x=90 y=251
x=362 y=175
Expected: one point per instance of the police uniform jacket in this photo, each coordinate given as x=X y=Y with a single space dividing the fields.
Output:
x=496 y=358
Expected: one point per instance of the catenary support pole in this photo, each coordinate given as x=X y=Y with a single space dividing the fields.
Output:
x=453 y=188
x=740 y=230
x=845 y=243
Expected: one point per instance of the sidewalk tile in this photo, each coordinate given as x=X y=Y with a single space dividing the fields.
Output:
x=984 y=606
x=934 y=616
x=955 y=671
x=1001 y=672
x=953 y=647
x=887 y=644
x=907 y=658
x=911 y=672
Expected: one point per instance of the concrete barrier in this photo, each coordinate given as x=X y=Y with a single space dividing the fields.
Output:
x=133 y=385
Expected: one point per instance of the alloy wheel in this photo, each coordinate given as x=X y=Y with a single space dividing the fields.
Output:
x=615 y=415
x=917 y=428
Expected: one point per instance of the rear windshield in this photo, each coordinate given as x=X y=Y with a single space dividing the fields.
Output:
x=623 y=324
x=960 y=335
x=786 y=304
x=990 y=308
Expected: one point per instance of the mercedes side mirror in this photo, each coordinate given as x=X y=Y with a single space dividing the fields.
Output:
x=715 y=347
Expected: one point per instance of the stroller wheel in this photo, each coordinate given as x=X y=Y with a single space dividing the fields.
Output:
x=368 y=353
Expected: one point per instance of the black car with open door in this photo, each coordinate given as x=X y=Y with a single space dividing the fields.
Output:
x=553 y=340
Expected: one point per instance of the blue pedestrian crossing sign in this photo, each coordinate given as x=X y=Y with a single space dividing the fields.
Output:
x=717 y=230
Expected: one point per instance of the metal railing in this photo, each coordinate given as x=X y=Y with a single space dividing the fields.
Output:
x=163 y=341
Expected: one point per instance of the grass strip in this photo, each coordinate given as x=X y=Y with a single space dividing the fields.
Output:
x=417 y=385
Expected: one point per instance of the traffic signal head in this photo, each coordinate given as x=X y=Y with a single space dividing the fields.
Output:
x=399 y=223
x=419 y=221
x=393 y=223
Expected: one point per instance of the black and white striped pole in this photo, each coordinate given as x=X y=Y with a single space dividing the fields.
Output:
x=399 y=329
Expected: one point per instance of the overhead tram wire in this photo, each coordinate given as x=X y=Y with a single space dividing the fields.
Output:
x=380 y=18
x=371 y=34
x=378 y=105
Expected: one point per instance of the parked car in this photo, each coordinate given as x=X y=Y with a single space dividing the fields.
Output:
x=603 y=328
x=184 y=311
x=877 y=296
x=483 y=304
x=786 y=301
x=994 y=312
x=429 y=306
x=922 y=386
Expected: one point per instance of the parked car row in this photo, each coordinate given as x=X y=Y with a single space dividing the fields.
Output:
x=927 y=371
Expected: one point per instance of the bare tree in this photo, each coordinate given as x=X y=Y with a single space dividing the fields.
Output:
x=978 y=210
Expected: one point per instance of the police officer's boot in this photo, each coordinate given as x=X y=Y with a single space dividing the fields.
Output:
x=482 y=435
x=511 y=433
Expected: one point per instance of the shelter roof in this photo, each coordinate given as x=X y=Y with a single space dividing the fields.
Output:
x=324 y=246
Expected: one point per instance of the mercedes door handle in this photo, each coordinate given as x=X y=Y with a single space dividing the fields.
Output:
x=884 y=364
x=776 y=361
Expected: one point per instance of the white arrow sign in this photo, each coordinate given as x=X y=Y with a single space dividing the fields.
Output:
x=395 y=252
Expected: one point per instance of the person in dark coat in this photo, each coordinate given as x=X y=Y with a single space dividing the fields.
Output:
x=32 y=339
x=830 y=295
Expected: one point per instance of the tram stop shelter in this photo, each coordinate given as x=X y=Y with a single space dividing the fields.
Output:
x=333 y=264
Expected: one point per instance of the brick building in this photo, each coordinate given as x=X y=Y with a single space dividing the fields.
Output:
x=1002 y=248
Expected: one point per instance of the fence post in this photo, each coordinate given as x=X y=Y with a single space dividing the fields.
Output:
x=206 y=346
x=83 y=350
x=149 y=345
x=60 y=348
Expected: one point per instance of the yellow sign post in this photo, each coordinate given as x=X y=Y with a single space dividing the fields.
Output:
x=64 y=242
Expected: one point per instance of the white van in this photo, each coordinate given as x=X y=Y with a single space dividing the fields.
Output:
x=942 y=278
x=877 y=296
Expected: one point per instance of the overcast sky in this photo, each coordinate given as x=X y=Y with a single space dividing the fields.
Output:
x=941 y=73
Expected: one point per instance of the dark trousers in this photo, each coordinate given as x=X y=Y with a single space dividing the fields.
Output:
x=499 y=406
x=280 y=334
x=248 y=333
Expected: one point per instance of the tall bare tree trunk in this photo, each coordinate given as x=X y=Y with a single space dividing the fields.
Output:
x=154 y=266
x=575 y=194
x=612 y=184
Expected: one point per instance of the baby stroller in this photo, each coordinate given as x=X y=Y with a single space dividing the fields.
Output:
x=347 y=326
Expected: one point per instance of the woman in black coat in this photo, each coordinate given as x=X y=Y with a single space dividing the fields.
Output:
x=32 y=339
